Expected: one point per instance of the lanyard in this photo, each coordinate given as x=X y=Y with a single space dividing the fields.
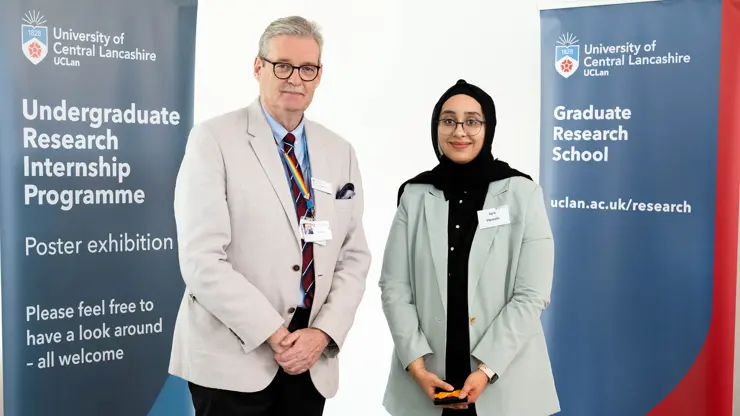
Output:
x=298 y=177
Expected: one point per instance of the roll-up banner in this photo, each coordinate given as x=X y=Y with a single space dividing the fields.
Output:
x=96 y=102
x=640 y=166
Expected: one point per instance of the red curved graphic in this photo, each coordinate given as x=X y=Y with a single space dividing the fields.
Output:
x=707 y=387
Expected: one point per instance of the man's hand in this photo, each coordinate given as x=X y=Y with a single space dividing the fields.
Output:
x=275 y=340
x=302 y=349
x=476 y=382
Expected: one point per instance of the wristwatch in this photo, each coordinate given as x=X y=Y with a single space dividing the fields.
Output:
x=488 y=372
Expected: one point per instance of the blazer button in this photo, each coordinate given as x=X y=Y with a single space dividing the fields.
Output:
x=296 y=268
x=291 y=309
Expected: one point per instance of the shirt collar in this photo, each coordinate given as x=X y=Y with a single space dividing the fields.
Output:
x=279 y=131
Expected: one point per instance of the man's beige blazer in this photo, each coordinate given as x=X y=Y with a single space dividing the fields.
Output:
x=510 y=276
x=240 y=252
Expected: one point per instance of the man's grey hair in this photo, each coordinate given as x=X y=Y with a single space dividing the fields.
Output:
x=290 y=26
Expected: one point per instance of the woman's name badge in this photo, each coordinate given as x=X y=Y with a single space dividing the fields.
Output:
x=314 y=231
x=493 y=217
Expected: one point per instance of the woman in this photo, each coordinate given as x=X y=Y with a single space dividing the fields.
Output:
x=466 y=275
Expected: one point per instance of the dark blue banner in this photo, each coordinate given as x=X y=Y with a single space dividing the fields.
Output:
x=629 y=159
x=96 y=101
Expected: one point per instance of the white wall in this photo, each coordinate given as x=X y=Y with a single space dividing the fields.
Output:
x=386 y=64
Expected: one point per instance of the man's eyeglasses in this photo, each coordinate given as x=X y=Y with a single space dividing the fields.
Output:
x=471 y=126
x=284 y=70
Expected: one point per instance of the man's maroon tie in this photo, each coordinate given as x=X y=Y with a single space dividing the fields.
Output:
x=301 y=207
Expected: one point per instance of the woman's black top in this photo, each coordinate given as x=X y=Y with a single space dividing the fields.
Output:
x=462 y=223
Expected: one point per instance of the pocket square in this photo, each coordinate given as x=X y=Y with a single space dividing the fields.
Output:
x=346 y=192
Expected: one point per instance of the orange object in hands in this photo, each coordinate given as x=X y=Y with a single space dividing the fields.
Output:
x=442 y=397
x=446 y=394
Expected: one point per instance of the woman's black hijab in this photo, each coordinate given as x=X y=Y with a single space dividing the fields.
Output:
x=480 y=171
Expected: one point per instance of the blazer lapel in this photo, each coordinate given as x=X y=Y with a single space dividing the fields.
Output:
x=263 y=144
x=323 y=206
x=436 y=211
x=483 y=239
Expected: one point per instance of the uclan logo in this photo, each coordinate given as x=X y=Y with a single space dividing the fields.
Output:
x=34 y=37
x=567 y=55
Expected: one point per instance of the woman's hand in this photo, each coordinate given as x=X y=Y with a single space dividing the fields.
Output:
x=427 y=380
x=476 y=382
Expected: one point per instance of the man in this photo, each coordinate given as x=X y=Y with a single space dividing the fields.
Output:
x=267 y=306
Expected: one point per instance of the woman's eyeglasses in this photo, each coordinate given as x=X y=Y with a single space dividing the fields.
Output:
x=471 y=126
